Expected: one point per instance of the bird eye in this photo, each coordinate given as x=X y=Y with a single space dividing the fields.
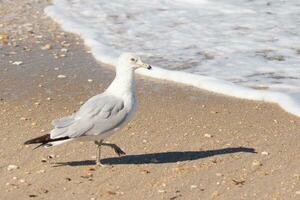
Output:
x=133 y=59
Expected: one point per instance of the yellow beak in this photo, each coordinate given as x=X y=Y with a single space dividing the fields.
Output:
x=144 y=65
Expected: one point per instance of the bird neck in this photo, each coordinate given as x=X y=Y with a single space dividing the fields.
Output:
x=124 y=83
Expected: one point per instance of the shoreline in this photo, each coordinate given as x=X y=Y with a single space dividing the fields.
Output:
x=70 y=23
x=183 y=142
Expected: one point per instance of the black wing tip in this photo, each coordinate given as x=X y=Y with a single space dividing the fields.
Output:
x=42 y=139
x=27 y=142
x=32 y=141
x=40 y=145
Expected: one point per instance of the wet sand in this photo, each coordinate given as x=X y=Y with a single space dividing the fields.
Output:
x=183 y=143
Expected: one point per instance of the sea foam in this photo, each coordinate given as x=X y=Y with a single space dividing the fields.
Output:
x=244 y=49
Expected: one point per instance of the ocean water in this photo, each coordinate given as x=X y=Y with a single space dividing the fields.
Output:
x=242 y=48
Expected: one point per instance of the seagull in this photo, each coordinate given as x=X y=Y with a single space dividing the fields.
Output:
x=103 y=114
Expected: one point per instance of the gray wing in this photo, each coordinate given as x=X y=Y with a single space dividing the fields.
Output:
x=99 y=114
x=63 y=122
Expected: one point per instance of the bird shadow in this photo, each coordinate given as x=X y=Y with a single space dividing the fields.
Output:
x=160 y=158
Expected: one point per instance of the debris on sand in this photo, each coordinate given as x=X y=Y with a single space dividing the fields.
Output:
x=4 y=38
x=193 y=186
x=144 y=171
x=61 y=76
x=18 y=63
x=87 y=175
x=110 y=193
x=219 y=174
x=24 y=119
x=256 y=163
x=208 y=135
x=215 y=194
x=265 y=153
x=238 y=182
x=68 y=179
x=12 y=167
x=46 y=47
x=65 y=50
x=22 y=180
x=92 y=169
x=65 y=44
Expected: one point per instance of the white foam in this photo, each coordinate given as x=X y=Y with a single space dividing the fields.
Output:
x=228 y=47
x=227 y=88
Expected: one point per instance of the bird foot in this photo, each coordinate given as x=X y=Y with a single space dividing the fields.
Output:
x=115 y=147
x=119 y=151
x=99 y=164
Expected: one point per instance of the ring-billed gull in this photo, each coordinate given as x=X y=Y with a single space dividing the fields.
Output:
x=102 y=114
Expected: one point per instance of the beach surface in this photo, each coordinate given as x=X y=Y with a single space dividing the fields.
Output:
x=183 y=143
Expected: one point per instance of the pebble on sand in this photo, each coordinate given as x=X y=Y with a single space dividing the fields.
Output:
x=256 y=163
x=87 y=175
x=46 y=47
x=144 y=171
x=110 y=193
x=61 y=76
x=64 y=50
x=193 y=186
x=17 y=63
x=65 y=44
x=265 y=153
x=12 y=167
x=68 y=179
x=215 y=194
x=4 y=38
x=207 y=135
x=91 y=169
x=51 y=156
x=22 y=180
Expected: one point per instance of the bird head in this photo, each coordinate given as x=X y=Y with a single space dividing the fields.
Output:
x=132 y=61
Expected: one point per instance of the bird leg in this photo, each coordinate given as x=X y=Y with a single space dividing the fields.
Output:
x=99 y=144
x=115 y=147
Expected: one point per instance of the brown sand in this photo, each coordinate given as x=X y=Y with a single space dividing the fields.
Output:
x=183 y=143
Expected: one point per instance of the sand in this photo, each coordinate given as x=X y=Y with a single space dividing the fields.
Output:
x=183 y=143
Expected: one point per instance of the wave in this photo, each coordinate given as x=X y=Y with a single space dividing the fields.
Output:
x=231 y=57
